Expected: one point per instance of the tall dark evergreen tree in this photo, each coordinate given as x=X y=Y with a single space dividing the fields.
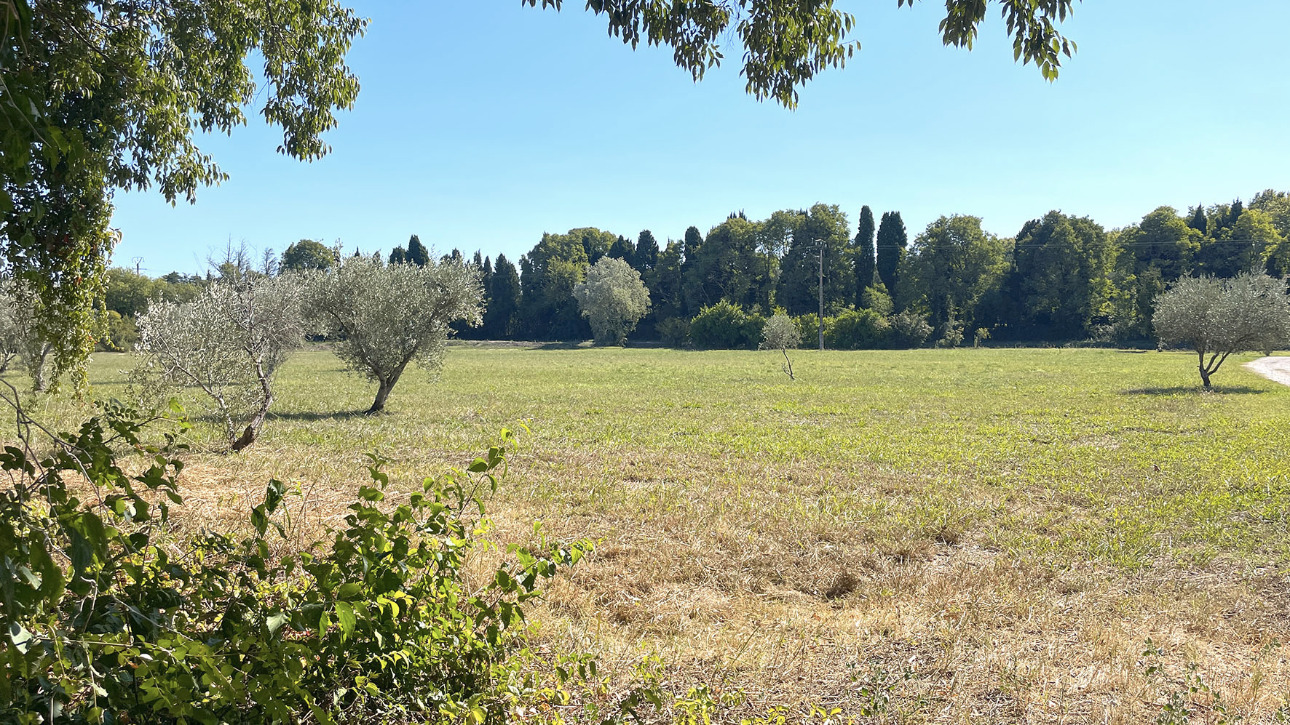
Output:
x=691 y=247
x=646 y=252
x=502 y=313
x=865 y=261
x=623 y=249
x=892 y=240
x=1199 y=221
x=417 y=253
x=398 y=255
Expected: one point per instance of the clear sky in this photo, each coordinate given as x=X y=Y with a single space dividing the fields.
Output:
x=482 y=124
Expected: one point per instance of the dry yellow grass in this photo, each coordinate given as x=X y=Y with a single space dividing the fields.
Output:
x=986 y=536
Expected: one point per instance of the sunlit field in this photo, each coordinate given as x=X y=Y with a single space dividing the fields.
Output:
x=978 y=535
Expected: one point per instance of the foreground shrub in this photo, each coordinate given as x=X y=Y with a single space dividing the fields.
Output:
x=725 y=326
x=108 y=618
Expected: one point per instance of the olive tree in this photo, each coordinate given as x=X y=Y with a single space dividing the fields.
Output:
x=1219 y=317
x=613 y=299
x=228 y=342
x=382 y=318
x=781 y=333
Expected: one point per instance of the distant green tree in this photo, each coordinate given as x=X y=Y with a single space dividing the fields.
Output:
x=774 y=237
x=691 y=247
x=548 y=273
x=1062 y=277
x=1244 y=246
x=1276 y=204
x=307 y=254
x=646 y=255
x=1199 y=221
x=798 y=289
x=865 y=260
x=725 y=266
x=128 y=293
x=623 y=249
x=950 y=267
x=892 y=240
x=398 y=255
x=613 y=299
x=501 y=315
x=666 y=284
x=417 y=253
x=781 y=333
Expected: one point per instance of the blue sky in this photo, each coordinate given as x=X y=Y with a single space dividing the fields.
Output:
x=482 y=124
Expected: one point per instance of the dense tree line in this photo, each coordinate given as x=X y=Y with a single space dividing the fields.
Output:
x=1059 y=278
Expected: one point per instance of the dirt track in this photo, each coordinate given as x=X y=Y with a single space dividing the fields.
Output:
x=1272 y=368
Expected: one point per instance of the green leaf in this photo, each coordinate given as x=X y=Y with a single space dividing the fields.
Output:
x=20 y=637
x=275 y=622
x=345 y=617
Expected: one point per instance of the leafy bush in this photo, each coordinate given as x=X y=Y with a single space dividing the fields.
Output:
x=877 y=299
x=120 y=335
x=808 y=326
x=111 y=619
x=909 y=329
x=674 y=331
x=856 y=330
x=726 y=326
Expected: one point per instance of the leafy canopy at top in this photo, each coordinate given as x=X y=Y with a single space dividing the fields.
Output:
x=786 y=42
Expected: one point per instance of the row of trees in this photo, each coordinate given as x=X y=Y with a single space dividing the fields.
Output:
x=1060 y=278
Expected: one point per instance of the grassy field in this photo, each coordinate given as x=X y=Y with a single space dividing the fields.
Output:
x=982 y=535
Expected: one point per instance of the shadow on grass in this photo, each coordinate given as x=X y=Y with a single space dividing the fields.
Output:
x=1196 y=390
x=308 y=416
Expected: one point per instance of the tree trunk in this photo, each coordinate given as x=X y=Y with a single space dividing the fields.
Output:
x=1204 y=377
x=382 y=392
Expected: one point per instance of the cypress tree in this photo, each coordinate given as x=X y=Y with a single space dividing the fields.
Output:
x=417 y=253
x=624 y=250
x=865 y=263
x=646 y=252
x=398 y=255
x=1199 y=221
x=892 y=240
x=500 y=317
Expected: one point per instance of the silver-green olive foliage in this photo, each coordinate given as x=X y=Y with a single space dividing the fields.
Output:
x=383 y=318
x=228 y=342
x=780 y=333
x=1219 y=317
x=613 y=299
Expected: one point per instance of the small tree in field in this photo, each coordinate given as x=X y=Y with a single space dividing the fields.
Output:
x=781 y=333
x=1218 y=317
x=228 y=343
x=613 y=299
x=384 y=318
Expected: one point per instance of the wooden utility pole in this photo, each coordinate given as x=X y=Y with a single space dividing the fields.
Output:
x=820 y=249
